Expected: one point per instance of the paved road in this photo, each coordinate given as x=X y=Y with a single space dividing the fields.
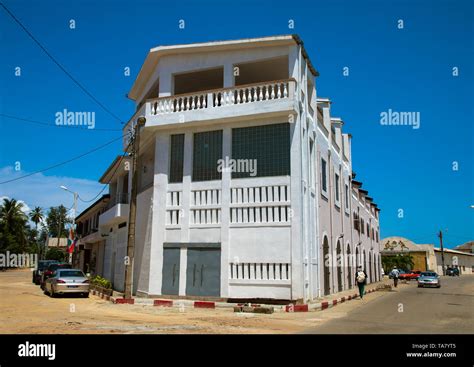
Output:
x=24 y=309
x=410 y=310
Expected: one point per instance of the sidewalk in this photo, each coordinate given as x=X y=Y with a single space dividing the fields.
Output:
x=332 y=300
x=315 y=305
x=355 y=290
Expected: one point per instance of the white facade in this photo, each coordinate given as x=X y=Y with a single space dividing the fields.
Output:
x=255 y=237
x=464 y=261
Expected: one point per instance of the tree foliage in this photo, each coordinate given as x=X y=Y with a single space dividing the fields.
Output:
x=36 y=216
x=17 y=236
x=401 y=261
x=13 y=226
x=55 y=254
x=56 y=221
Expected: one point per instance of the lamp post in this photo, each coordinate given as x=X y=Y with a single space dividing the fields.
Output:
x=74 y=211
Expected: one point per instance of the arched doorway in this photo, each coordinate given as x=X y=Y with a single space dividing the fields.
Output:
x=349 y=267
x=364 y=262
x=339 y=266
x=380 y=266
x=377 y=270
x=327 y=289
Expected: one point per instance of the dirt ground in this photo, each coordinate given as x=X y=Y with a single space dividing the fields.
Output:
x=24 y=309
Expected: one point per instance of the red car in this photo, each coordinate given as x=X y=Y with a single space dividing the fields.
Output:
x=411 y=275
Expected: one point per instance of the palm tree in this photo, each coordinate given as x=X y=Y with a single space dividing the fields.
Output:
x=36 y=216
x=56 y=220
x=13 y=225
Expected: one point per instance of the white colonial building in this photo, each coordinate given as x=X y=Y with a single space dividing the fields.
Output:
x=245 y=180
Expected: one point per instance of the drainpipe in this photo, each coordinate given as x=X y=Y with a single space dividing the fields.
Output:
x=351 y=219
x=343 y=210
x=318 y=236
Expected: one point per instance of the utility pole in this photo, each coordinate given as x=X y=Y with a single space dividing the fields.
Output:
x=133 y=208
x=74 y=213
x=73 y=224
x=440 y=235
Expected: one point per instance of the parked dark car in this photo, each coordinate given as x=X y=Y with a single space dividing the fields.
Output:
x=452 y=271
x=40 y=267
x=48 y=273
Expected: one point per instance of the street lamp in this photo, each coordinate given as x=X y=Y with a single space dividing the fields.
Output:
x=74 y=211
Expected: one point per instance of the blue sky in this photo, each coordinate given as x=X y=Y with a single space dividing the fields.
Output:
x=406 y=69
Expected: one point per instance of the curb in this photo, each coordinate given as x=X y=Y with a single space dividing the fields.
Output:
x=101 y=295
x=325 y=304
x=237 y=307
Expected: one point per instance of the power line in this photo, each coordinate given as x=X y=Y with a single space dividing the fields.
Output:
x=64 y=162
x=108 y=182
x=111 y=177
x=54 y=125
x=59 y=65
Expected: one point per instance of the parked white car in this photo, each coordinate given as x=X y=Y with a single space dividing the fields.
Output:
x=67 y=281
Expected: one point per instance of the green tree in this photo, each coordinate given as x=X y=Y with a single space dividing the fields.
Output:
x=55 y=254
x=42 y=237
x=36 y=216
x=56 y=221
x=401 y=261
x=13 y=226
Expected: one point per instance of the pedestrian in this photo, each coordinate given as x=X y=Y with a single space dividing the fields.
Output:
x=395 y=274
x=361 y=280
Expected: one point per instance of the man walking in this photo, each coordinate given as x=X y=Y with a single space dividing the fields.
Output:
x=395 y=274
x=361 y=280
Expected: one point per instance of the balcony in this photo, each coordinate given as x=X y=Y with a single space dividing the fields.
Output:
x=117 y=211
x=267 y=98
x=90 y=237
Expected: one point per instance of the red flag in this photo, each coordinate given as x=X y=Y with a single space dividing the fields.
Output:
x=71 y=241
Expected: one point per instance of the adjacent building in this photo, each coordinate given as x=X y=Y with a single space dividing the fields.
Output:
x=466 y=247
x=423 y=255
x=454 y=259
x=89 y=255
x=245 y=182
x=427 y=256
x=55 y=242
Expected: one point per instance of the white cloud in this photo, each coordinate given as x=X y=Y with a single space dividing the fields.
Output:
x=44 y=191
